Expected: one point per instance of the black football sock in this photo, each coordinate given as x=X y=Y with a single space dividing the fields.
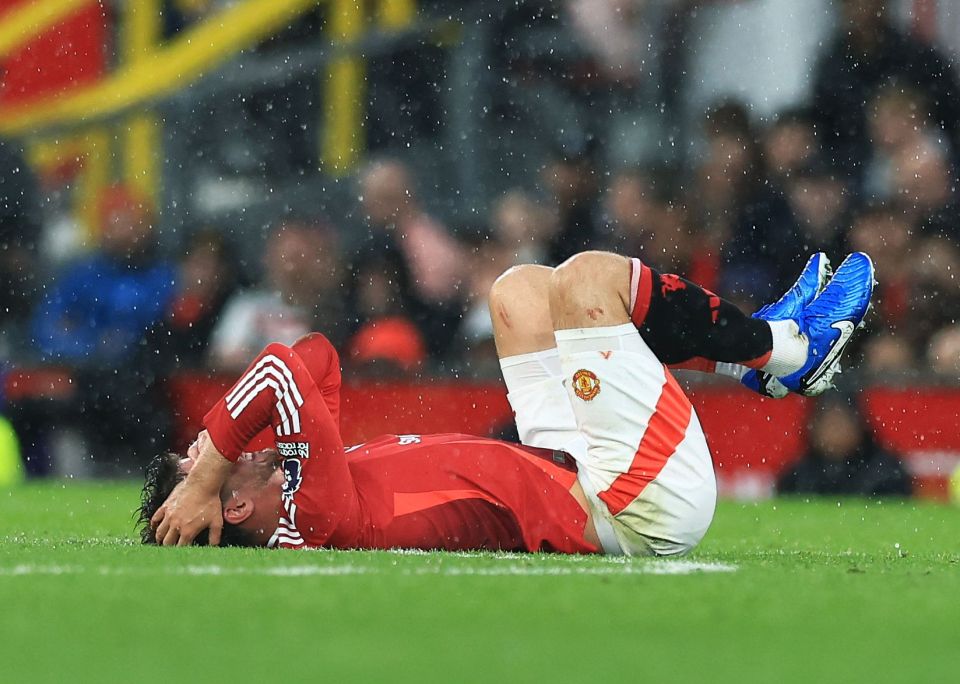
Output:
x=681 y=321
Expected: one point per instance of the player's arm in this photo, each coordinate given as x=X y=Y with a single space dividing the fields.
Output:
x=323 y=363
x=320 y=498
x=195 y=504
x=266 y=396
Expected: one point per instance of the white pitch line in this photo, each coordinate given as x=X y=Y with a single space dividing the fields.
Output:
x=652 y=568
x=678 y=567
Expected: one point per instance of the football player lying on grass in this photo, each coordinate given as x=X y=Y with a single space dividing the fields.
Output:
x=612 y=459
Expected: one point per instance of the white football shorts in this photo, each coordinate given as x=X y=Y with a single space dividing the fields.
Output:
x=642 y=456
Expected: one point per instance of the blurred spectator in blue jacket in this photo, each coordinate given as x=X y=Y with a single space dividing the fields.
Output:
x=95 y=319
x=101 y=306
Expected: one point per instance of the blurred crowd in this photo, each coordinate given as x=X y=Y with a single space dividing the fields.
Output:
x=869 y=163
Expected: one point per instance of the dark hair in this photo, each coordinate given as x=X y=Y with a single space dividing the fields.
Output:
x=162 y=475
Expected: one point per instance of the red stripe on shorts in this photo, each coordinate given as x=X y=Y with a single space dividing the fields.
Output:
x=641 y=289
x=666 y=429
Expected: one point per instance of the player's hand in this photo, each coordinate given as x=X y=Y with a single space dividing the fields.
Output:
x=186 y=513
x=194 y=505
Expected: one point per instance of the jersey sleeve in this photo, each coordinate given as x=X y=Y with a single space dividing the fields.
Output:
x=323 y=364
x=319 y=496
x=267 y=395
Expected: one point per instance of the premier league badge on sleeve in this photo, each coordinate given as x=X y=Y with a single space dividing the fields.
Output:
x=292 y=477
x=293 y=449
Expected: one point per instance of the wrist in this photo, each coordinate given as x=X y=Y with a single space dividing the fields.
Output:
x=211 y=469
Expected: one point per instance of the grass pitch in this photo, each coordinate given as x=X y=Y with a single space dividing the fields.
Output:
x=780 y=591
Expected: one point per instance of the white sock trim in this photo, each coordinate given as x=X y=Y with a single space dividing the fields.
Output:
x=732 y=370
x=790 y=349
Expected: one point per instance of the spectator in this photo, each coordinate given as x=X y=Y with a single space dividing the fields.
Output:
x=205 y=282
x=885 y=233
x=820 y=202
x=523 y=226
x=885 y=354
x=489 y=258
x=943 y=352
x=790 y=143
x=918 y=292
x=409 y=262
x=866 y=53
x=100 y=307
x=910 y=161
x=95 y=320
x=646 y=224
x=571 y=179
x=621 y=35
x=301 y=292
x=935 y=288
x=390 y=347
x=742 y=211
x=844 y=458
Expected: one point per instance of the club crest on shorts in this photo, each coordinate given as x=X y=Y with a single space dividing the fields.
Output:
x=586 y=385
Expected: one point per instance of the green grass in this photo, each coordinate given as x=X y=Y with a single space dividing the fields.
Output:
x=813 y=591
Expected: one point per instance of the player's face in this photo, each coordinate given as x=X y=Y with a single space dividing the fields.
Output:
x=256 y=468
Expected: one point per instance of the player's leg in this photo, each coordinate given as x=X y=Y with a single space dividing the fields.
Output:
x=523 y=330
x=793 y=345
x=683 y=324
x=520 y=310
x=687 y=326
x=647 y=461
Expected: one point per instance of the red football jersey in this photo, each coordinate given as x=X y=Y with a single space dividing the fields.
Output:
x=453 y=492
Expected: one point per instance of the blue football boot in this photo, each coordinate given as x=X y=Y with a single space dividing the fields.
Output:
x=829 y=323
x=814 y=277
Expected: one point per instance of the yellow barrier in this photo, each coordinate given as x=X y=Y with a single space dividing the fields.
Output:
x=31 y=19
x=343 y=132
x=170 y=67
x=142 y=32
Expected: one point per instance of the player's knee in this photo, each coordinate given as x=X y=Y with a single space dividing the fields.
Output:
x=525 y=284
x=590 y=270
